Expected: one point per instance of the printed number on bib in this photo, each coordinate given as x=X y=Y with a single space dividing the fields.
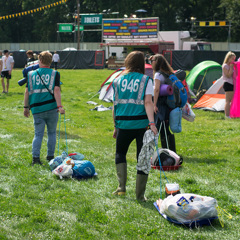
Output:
x=132 y=86
x=36 y=79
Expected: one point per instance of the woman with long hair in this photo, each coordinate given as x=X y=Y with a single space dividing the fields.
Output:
x=132 y=114
x=161 y=70
x=227 y=74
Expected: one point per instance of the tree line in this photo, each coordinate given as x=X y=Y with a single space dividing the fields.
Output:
x=174 y=15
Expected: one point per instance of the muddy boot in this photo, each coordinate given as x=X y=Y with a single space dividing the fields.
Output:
x=141 y=183
x=122 y=179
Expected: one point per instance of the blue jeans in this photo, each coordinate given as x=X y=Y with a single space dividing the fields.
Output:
x=49 y=118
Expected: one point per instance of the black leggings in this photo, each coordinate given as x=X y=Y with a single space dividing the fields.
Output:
x=123 y=141
x=168 y=137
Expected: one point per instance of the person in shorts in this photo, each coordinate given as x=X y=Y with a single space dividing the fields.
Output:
x=227 y=74
x=6 y=69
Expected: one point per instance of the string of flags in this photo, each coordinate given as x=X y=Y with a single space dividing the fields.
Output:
x=32 y=11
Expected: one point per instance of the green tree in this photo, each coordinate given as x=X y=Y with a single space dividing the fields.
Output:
x=232 y=9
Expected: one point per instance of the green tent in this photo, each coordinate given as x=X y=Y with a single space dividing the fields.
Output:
x=203 y=75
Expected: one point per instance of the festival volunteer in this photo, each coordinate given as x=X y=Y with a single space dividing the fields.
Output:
x=43 y=97
x=132 y=113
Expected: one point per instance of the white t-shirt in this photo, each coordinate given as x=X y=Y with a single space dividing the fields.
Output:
x=149 y=88
x=160 y=77
x=55 y=57
x=225 y=78
x=6 y=63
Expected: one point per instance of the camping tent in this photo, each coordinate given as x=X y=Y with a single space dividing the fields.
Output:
x=213 y=99
x=106 y=92
x=203 y=75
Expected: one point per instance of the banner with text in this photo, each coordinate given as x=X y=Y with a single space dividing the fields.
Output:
x=130 y=28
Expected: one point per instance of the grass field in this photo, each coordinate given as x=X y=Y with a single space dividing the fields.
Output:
x=34 y=204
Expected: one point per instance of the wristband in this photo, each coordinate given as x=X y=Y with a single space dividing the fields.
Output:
x=26 y=107
x=151 y=123
x=59 y=106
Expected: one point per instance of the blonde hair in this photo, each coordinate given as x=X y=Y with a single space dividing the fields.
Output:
x=46 y=58
x=228 y=56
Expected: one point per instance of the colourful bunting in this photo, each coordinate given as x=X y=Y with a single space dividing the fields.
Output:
x=32 y=11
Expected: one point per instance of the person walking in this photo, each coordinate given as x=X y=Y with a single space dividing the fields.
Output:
x=56 y=60
x=162 y=70
x=132 y=114
x=227 y=74
x=6 y=69
x=43 y=97
x=30 y=58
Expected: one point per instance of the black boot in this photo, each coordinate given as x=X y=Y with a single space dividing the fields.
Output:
x=36 y=160
x=49 y=158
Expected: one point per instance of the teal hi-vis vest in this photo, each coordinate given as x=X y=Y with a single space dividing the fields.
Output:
x=40 y=99
x=129 y=92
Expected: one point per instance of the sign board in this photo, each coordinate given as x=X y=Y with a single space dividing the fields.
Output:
x=91 y=19
x=65 y=27
x=130 y=28
x=81 y=28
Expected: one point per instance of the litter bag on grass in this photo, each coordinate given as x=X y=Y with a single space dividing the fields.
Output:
x=76 y=156
x=63 y=170
x=188 y=208
x=57 y=161
x=83 y=169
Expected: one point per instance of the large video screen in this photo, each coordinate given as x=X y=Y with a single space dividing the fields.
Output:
x=130 y=28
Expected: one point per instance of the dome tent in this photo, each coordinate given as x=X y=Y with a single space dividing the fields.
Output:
x=203 y=75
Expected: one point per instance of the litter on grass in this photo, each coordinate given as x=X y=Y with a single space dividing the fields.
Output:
x=72 y=165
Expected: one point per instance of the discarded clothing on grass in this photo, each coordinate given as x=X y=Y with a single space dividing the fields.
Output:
x=91 y=102
x=101 y=108
x=144 y=158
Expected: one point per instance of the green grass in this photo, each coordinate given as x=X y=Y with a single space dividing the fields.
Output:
x=34 y=204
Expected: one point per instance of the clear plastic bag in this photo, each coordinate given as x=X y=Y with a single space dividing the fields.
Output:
x=63 y=170
x=189 y=207
x=187 y=113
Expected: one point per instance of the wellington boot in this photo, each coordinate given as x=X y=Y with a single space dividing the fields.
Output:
x=122 y=179
x=141 y=183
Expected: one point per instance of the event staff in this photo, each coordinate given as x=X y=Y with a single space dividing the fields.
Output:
x=132 y=113
x=43 y=97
